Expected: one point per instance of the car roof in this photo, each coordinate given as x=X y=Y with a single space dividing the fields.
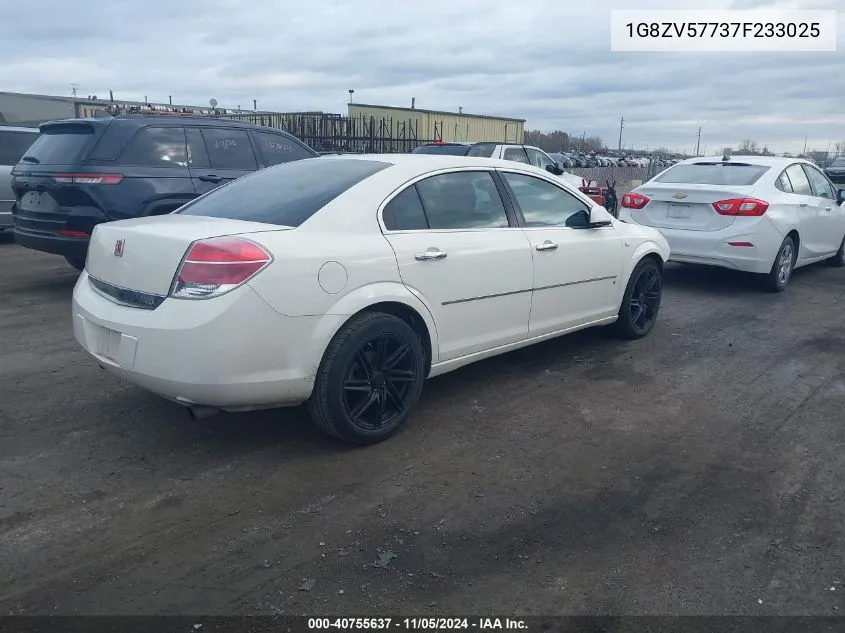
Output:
x=142 y=120
x=437 y=161
x=18 y=128
x=763 y=161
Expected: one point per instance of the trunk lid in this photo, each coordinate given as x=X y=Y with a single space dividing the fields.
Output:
x=142 y=254
x=686 y=206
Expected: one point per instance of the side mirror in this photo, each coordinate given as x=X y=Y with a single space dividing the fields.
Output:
x=556 y=169
x=840 y=196
x=599 y=217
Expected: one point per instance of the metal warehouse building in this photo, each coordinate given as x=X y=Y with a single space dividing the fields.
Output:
x=445 y=126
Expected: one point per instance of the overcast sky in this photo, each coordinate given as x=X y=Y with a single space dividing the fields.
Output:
x=548 y=61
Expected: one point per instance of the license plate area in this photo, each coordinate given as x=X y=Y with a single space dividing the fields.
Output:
x=679 y=211
x=108 y=343
x=37 y=201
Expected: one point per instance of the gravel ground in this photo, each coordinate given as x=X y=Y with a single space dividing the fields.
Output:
x=698 y=471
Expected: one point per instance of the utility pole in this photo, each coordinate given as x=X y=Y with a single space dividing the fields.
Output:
x=698 y=142
x=621 y=125
x=805 y=147
x=74 y=88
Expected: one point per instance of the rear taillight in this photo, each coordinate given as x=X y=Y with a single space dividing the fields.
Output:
x=69 y=233
x=634 y=201
x=741 y=207
x=215 y=266
x=87 y=179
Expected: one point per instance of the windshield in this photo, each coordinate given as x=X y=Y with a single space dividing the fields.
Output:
x=734 y=174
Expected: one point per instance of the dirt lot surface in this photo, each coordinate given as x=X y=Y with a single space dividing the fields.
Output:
x=698 y=471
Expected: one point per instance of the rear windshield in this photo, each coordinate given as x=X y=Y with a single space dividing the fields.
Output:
x=286 y=194
x=734 y=174
x=839 y=162
x=14 y=144
x=450 y=150
x=59 y=145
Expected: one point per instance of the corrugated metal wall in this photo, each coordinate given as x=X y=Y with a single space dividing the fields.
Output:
x=447 y=126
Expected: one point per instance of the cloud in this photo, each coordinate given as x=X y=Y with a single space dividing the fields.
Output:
x=544 y=60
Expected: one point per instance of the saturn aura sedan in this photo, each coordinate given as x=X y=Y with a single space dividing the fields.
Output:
x=765 y=215
x=343 y=282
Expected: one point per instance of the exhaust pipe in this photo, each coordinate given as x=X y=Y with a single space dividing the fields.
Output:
x=200 y=412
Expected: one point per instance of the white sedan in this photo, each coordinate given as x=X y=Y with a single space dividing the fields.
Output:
x=766 y=215
x=343 y=282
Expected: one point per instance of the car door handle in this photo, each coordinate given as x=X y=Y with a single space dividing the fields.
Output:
x=803 y=204
x=211 y=178
x=828 y=208
x=548 y=245
x=430 y=253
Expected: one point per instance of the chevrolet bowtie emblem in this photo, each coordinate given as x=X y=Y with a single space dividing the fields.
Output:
x=679 y=196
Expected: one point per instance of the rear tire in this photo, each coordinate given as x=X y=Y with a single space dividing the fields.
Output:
x=77 y=263
x=838 y=260
x=369 y=380
x=641 y=301
x=784 y=264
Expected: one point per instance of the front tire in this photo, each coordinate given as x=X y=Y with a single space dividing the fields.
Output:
x=641 y=301
x=838 y=260
x=782 y=268
x=370 y=378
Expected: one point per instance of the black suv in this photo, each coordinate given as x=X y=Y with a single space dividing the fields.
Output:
x=81 y=172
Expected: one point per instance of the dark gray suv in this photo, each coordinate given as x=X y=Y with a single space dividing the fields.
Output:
x=14 y=141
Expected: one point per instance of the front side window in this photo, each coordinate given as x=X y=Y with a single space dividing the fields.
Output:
x=156 y=147
x=821 y=187
x=229 y=149
x=539 y=158
x=545 y=204
x=462 y=200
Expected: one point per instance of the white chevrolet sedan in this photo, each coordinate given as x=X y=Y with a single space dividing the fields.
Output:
x=766 y=215
x=343 y=282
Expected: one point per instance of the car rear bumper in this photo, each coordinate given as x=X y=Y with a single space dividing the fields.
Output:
x=714 y=248
x=6 y=219
x=73 y=247
x=233 y=352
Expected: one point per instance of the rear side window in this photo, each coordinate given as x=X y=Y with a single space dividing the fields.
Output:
x=800 y=183
x=13 y=145
x=448 y=150
x=783 y=183
x=516 y=154
x=287 y=194
x=405 y=212
x=278 y=148
x=482 y=150
x=156 y=147
x=733 y=174
x=60 y=145
x=229 y=149
x=462 y=200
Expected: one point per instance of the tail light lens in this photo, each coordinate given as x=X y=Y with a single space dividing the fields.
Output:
x=69 y=233
x=88 y=179
x=741 y=207
x=634 y=201
x=218 y=265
